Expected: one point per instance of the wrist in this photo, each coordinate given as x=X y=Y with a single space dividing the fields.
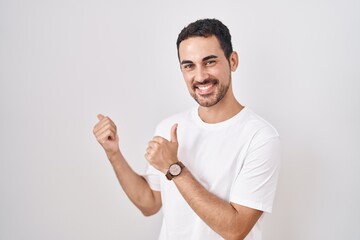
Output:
x=113 y=156
x=174 y=170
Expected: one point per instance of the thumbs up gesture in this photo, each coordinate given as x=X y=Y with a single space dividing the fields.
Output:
x=161 y=153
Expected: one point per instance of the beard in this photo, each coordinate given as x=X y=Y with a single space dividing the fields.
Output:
x=209 y=100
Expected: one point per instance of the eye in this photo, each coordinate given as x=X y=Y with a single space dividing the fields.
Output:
x=187 y=66
x=210 y=63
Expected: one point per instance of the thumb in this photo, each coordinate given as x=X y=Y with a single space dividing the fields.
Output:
x=174 y=133
x=100 y=117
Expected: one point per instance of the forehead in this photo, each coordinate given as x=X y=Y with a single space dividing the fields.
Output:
x=196 y=48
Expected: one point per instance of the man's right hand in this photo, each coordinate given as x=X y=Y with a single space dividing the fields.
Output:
x=106 y=134
x=134 y=185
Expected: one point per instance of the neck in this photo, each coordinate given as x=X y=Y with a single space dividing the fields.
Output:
x=223 y=110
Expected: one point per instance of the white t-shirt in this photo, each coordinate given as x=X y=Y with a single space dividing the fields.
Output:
x=237 y=160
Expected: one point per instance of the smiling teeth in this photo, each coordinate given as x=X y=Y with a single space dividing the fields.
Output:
x=204 y=87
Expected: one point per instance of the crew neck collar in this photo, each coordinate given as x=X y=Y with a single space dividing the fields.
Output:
x=226 y=123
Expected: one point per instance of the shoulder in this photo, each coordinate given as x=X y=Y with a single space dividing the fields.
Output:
x=259 y=123
x=259 y=126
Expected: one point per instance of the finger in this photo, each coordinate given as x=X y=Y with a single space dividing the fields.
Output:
x=101 y=123
x=101 y=129
x=104 y=123
x=100 y=117
x=108 y=135
x=158 y=139
x=147 y=156
x=173 y=133
x=153 y=145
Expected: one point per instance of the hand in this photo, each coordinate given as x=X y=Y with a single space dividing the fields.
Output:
x=161 y=153
x=106 y=134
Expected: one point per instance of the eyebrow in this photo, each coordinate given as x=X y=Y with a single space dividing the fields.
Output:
x=204 y=59
x=209 y=57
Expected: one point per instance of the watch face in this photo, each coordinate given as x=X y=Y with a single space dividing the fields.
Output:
x=175 y=169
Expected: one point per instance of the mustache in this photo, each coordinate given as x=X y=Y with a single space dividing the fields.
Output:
x=207 y=81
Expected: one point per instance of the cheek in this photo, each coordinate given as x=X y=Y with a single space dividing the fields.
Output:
x=188 y=79
x=219 y=70
x=221 y=74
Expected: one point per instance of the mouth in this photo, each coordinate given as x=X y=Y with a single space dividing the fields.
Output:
x=206 y=87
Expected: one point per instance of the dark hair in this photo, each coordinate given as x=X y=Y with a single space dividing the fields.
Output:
x=206 y=28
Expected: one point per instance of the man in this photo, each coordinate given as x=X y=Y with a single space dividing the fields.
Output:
x=213 y=170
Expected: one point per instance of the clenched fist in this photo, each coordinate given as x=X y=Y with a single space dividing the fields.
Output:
x=106 y=134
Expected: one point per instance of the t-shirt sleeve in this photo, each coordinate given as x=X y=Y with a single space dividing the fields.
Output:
x=256 y=182
x=152 y=177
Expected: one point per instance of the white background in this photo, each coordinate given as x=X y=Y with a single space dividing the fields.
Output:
x=62 y=62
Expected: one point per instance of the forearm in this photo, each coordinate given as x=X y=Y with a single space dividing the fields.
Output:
x=134 y=185
x=218 y=214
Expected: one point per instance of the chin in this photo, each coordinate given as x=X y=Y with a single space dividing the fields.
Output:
x=206 y=102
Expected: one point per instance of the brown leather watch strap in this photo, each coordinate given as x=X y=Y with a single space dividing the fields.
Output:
x=169 y=176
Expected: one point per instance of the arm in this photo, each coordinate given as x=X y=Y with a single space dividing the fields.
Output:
x=134 y=185
x=230 y=220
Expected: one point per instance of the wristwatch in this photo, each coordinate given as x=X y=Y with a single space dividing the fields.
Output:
x=174 y=170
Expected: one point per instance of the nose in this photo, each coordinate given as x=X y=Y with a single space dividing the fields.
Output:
x=201 y=74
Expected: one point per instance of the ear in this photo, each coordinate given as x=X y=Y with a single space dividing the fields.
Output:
x=234 y=61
